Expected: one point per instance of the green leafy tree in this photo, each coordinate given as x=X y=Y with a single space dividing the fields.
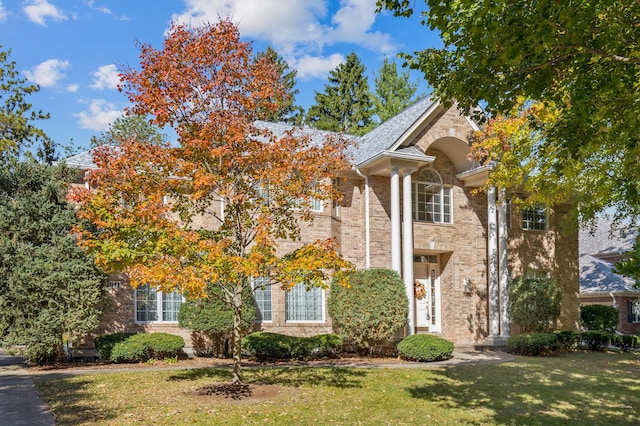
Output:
x=129 y=127
x=50 y=290
x=583 y=59
x=17 y=131
x=287 y=111
x=345 y=105
x=629 y=265
x=534 y=303
x=371 y=309
x=393 y=91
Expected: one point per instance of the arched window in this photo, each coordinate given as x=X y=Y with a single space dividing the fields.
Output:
x=431 y=199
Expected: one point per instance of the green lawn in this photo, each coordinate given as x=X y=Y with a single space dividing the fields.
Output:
x=579 y=388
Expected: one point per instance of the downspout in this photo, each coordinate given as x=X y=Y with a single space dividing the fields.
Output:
x=367 y=249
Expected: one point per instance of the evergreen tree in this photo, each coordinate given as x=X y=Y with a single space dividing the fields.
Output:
x=345 y=105
x=16 y=129
x=287 y=112
x=393 y=91
x=50 y=290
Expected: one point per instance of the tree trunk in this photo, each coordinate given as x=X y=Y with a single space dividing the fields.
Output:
x=237 y=338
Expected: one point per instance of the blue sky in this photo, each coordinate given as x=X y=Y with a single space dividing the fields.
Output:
x=74 y=48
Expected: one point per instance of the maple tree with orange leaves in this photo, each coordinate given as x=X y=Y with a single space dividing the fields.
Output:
x=214 y=206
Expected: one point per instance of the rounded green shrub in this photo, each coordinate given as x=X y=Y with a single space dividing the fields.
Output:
x=568 y=340
x=372 y=309
x=142 y=347
x=599 y=318
x=533 y=343
x=211 y=320
x=596 y=340
x=266 y=346
x=105 y=343
x=425 y=348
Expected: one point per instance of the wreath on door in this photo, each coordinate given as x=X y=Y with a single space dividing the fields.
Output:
x=419 y=290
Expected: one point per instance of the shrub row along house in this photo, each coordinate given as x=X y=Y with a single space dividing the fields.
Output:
x=411 y=203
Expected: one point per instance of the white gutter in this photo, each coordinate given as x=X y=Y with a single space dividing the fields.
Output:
x=367 y=248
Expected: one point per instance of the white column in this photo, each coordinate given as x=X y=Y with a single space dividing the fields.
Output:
x=492 y=253
x=396 y=258
x=407 y=248
x=504 y=263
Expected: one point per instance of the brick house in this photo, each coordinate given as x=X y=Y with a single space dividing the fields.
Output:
x=410 y=204
x=600 y=248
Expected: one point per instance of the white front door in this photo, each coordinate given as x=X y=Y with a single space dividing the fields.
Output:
x=428 y=313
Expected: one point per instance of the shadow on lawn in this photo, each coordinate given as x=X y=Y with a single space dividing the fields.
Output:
x=67 y=400
x=570 y=389
x=338 y=377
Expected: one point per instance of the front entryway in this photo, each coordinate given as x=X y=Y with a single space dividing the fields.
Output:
x=428 y=311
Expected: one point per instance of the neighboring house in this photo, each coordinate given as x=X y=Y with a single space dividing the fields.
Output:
x=600 y=248
x=411 y=203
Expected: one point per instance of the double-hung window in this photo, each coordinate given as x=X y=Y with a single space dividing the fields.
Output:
x=633 y=311
x=262 y=296
x=534 y=218
x=156 y=306
x=432 y=200
x=305 y=305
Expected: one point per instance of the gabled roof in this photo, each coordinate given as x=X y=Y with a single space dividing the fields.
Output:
x=605 y=239
x=597 y=276
x=387 y=134
x=82 y=161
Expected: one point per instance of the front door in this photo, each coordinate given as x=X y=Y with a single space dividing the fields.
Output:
x=428 y=315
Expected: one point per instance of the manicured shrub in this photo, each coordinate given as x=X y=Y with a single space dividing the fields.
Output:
x=142 y=347
x=596 y=340
x=424 y=348
x=372 y=309
x=273 y=346
x=599 y=318
x=533 y=343
x=567 y=340
x=211 y=320
x=534 y=303
x=628 y=342
x=105 y=343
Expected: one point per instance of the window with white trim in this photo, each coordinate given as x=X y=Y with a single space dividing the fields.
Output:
x=262 y=297
x=432 y=200
x=304 y=305
x=156 y=306
x=534 y=218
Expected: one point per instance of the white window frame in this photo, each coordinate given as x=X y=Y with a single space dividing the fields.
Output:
x=535 y=219
x=635 y=311
x=420 y=186
x=262 y=285
x=158 y=303
x=295 y=292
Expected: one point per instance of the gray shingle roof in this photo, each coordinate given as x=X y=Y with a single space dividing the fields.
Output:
x=605 y=239
x=597 y=276
x=83 y=160
x=388 y=133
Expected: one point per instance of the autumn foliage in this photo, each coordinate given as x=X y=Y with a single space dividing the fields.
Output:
x=213 y=206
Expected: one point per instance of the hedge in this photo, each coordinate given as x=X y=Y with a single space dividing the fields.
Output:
x=533 y=343
x=273 y=346
x=142 y=347
x=424 y=348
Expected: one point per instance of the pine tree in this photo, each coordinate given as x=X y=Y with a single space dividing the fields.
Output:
x=50 y=290
x=393 y=91
x=345 y=106
x=288 y=112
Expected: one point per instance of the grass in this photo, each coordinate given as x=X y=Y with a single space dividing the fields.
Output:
x=579 y=388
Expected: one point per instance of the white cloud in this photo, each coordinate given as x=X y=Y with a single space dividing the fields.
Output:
x=101 y=113
x=106 y=77
x=295 y=28
x=3 y=12
x=101 y=9
x=316 y=66
x=72 y=88
x=38 y=10
x=48 y=73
